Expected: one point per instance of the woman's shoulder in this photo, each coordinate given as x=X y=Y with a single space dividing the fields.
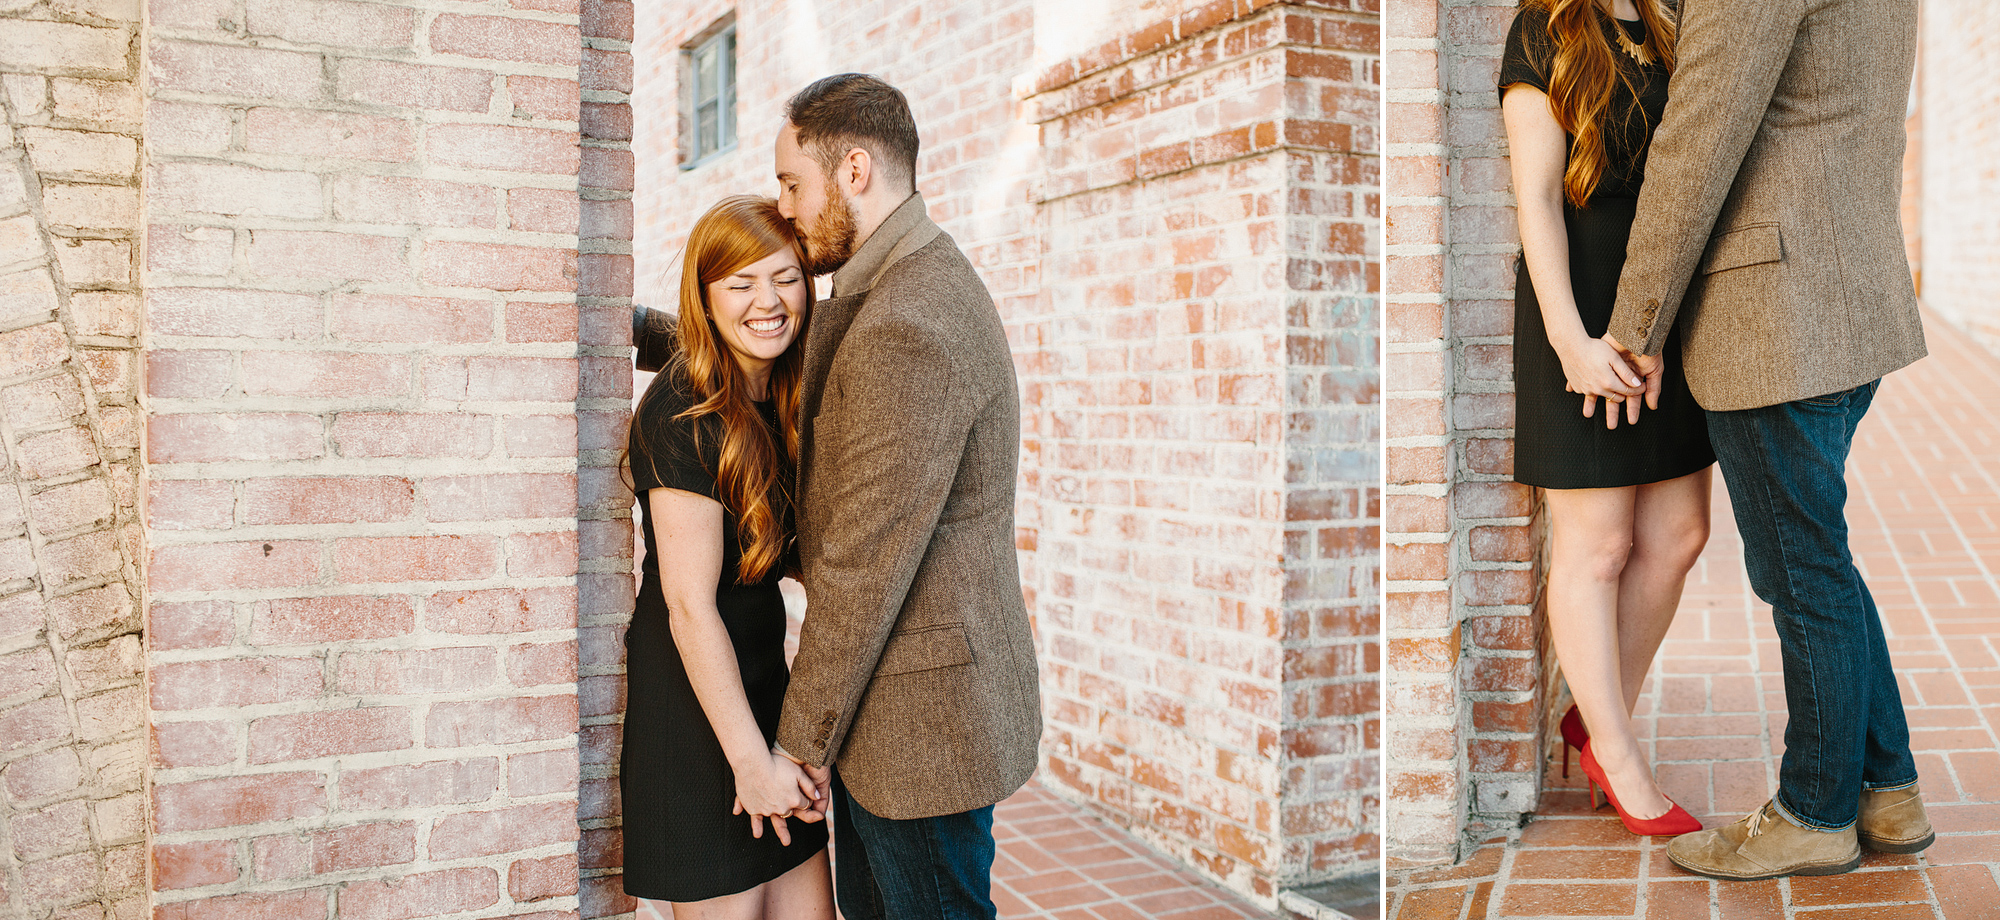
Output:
x=1530 y=50
x=668 y=449
x=660 y=423
x=668 y=395
x=1530 y=28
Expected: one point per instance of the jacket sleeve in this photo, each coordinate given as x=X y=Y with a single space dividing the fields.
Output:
x=885 y=458
x=1730 y=56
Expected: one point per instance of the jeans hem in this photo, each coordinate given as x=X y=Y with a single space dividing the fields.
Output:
x=1888 y=787
x=1803 y=823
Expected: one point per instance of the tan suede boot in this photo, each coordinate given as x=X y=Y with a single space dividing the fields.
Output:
x=1763 y=844
x=1893 y=821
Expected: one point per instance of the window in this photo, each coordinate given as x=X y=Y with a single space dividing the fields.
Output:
x=710 y=80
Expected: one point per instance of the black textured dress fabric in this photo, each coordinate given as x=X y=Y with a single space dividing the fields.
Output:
x=681 y=842
x=1555 y=446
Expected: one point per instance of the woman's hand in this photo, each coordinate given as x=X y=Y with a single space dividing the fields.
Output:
x=1653 y=368
x=775 y=787
x=1537 y=157
x=1595 y=369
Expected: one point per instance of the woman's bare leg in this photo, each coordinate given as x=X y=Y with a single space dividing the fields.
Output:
x=804 y=893
x=1590 y=543
x=1670 y=528
x=743 y=905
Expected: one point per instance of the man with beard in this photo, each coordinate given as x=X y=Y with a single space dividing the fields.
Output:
x=915 y=679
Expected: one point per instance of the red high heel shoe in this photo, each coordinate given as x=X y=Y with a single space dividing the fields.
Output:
x=1575 y=736
x=1675 y=822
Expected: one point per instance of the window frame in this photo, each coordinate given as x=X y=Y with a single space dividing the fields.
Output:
x=699 y=147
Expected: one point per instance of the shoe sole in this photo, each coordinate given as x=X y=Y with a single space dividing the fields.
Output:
x=1834 y=869
x=1886 y=846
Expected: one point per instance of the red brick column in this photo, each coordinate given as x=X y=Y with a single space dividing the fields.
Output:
x=1468 y=670
x=1200 y=376
x=1332 y=812
x=72 y=704
x=362 y=454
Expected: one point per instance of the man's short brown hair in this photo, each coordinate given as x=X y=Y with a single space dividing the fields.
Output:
x=839 y=113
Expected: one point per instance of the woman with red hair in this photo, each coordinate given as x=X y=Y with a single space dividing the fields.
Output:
x=713 y=447
x=1582 y=84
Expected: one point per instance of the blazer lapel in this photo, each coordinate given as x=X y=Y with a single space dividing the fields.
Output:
x=830 y=319
x=907 y=229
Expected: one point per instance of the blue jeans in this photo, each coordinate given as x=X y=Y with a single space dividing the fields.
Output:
x=923 y=869
x=1784 y=465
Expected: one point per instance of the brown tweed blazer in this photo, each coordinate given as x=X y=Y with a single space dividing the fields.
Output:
x=1769 y=223
x=916 y=668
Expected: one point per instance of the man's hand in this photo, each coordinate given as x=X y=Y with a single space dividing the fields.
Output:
x=822 y=778
x=1653 y=367
x=1594 y=369
x=776 y=788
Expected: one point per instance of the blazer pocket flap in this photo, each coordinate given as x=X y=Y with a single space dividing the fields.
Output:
x=1751 y=245
x=925 y=649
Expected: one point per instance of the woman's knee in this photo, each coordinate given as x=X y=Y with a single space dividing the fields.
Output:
x=1600 y=560
x=1674 y=540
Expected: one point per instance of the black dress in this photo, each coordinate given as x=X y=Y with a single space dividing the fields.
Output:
x=1555 y=447
x=681 y=842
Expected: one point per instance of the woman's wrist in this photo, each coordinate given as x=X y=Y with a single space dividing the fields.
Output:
x=744 y=760
x=1567 y=338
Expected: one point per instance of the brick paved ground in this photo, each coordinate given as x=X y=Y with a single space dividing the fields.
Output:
x=1059 y=862
x=1926 y=518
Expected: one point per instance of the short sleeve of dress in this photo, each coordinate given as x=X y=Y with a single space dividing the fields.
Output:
x=667 y=452
x=1530 y=51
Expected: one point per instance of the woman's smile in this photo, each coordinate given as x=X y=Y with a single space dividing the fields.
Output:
x=768 y=326
x=753 y=309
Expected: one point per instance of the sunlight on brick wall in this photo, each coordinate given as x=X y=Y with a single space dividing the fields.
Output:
x=72 y=708
x=363 y=379
x=1959 y=211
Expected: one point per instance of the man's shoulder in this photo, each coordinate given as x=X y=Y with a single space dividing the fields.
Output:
x=930 y=302
x=934 y=286
x=937 y=268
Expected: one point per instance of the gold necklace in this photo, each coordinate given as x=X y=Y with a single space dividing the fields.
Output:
x=1636 y=50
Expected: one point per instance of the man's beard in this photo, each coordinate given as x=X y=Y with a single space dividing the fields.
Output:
x=829 y=241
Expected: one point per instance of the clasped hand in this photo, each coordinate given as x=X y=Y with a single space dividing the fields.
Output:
x=779 y=787
x=1602 y=368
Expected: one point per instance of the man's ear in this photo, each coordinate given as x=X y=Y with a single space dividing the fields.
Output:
x=857 y=171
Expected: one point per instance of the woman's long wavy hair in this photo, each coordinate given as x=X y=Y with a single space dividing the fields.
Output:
x=753 y=467
x=1584 y=75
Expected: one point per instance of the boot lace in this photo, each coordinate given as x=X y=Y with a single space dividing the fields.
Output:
x=1758 y=819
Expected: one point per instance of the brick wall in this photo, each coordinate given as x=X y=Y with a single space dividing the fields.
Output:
x=1468 y=673
x=72 y=709
x=1175 y=216
x=1959 y=224
x=1203 y=370
x=604 y=501
x=1331 y=816
x=363 y=501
